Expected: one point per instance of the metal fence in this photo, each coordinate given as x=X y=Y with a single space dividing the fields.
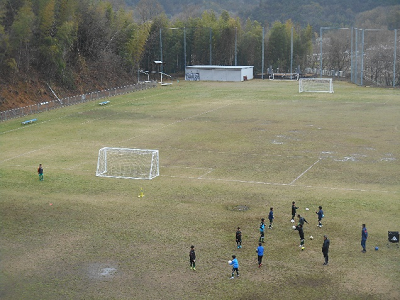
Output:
x=49 y=105
x=366 y=56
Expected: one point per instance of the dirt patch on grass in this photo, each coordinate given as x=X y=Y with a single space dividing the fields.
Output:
x=241 y=207
x=102 y=271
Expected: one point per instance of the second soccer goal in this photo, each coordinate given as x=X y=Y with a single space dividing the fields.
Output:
x=128 y=163
x=315 y=85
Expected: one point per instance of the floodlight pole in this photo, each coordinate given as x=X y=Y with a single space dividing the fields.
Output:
x=262 y=55
x=210 y=46
x=394 y=57
x=235 y=46
x=362 y=57
x=161 y=58
x=291 y=52
x=320 y=51
x=184 y=45
x=351 y=57
x=355 y=55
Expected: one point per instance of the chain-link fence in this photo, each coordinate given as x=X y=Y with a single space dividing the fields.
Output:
x=48 y=105
x=365 y=56
x=374 y=57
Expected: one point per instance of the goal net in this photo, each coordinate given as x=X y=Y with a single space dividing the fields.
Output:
x=316 y=85
x=128 y=163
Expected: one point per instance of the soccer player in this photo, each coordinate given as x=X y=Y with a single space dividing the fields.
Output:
x=260 y=253
x=271 y=217
x=192 y=258
x=320 y=214
x=364 y=236
x=294 y=208
x=40 y=172
x=238 y=238
x=262 y=227
x=325 y=249
x=302 y=220
x=299 y=228
x=235 y=266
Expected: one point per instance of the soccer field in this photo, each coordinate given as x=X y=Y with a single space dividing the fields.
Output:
x=228 y=152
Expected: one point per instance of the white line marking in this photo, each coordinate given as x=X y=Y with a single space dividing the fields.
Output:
x=205 y=174
x=305 y=171
x=23 y=154
x=280 y=184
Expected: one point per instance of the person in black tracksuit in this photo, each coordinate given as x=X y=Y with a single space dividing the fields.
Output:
x=192 y=258
x=325 y=249
x=302 y=220
x=294 y=208
x=299 y=228
x=271 y=217
x=238 y=238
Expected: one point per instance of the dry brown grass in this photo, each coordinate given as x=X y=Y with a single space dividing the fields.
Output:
x=222 y=145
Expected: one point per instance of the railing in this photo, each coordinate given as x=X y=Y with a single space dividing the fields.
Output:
x=48 y=105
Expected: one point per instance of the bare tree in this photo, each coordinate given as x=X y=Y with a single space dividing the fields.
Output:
x=338 y=50
x=148 y=9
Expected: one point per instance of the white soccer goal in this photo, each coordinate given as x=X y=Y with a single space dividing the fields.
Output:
x=128 y=163
x=316 y=85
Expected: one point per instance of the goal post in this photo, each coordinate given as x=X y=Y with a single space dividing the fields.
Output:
x=315 y=85
x=128 y=163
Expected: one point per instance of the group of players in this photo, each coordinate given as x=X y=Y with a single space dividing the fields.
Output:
x=302 y=220
x=260 y=249
x=299 y=227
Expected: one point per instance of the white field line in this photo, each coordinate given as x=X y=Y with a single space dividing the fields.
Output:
x=26 y=153
x=305 y=171
x=79 y=112
x=52 y=120
x=121 y=102
x=251 y=182
x=278 y=184
x=206 y=173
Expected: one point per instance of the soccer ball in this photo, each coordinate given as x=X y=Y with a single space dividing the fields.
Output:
x=294 y=227
x=302 y=248
x=229 y=261
x=292 y=220
x=311 y=237
x=376 y=248
x=307 y=208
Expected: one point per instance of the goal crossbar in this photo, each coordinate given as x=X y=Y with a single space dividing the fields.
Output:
x=315 y=85
x=128 y=163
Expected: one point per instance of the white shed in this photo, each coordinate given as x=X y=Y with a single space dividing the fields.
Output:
x=219 y=73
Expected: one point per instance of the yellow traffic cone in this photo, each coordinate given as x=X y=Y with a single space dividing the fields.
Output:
x=141 y=193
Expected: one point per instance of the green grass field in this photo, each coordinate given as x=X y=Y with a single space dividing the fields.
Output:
x=223 y=146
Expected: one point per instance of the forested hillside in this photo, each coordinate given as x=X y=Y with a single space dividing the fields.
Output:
x=72 y=46
x=314 y=12
x=79 y=46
